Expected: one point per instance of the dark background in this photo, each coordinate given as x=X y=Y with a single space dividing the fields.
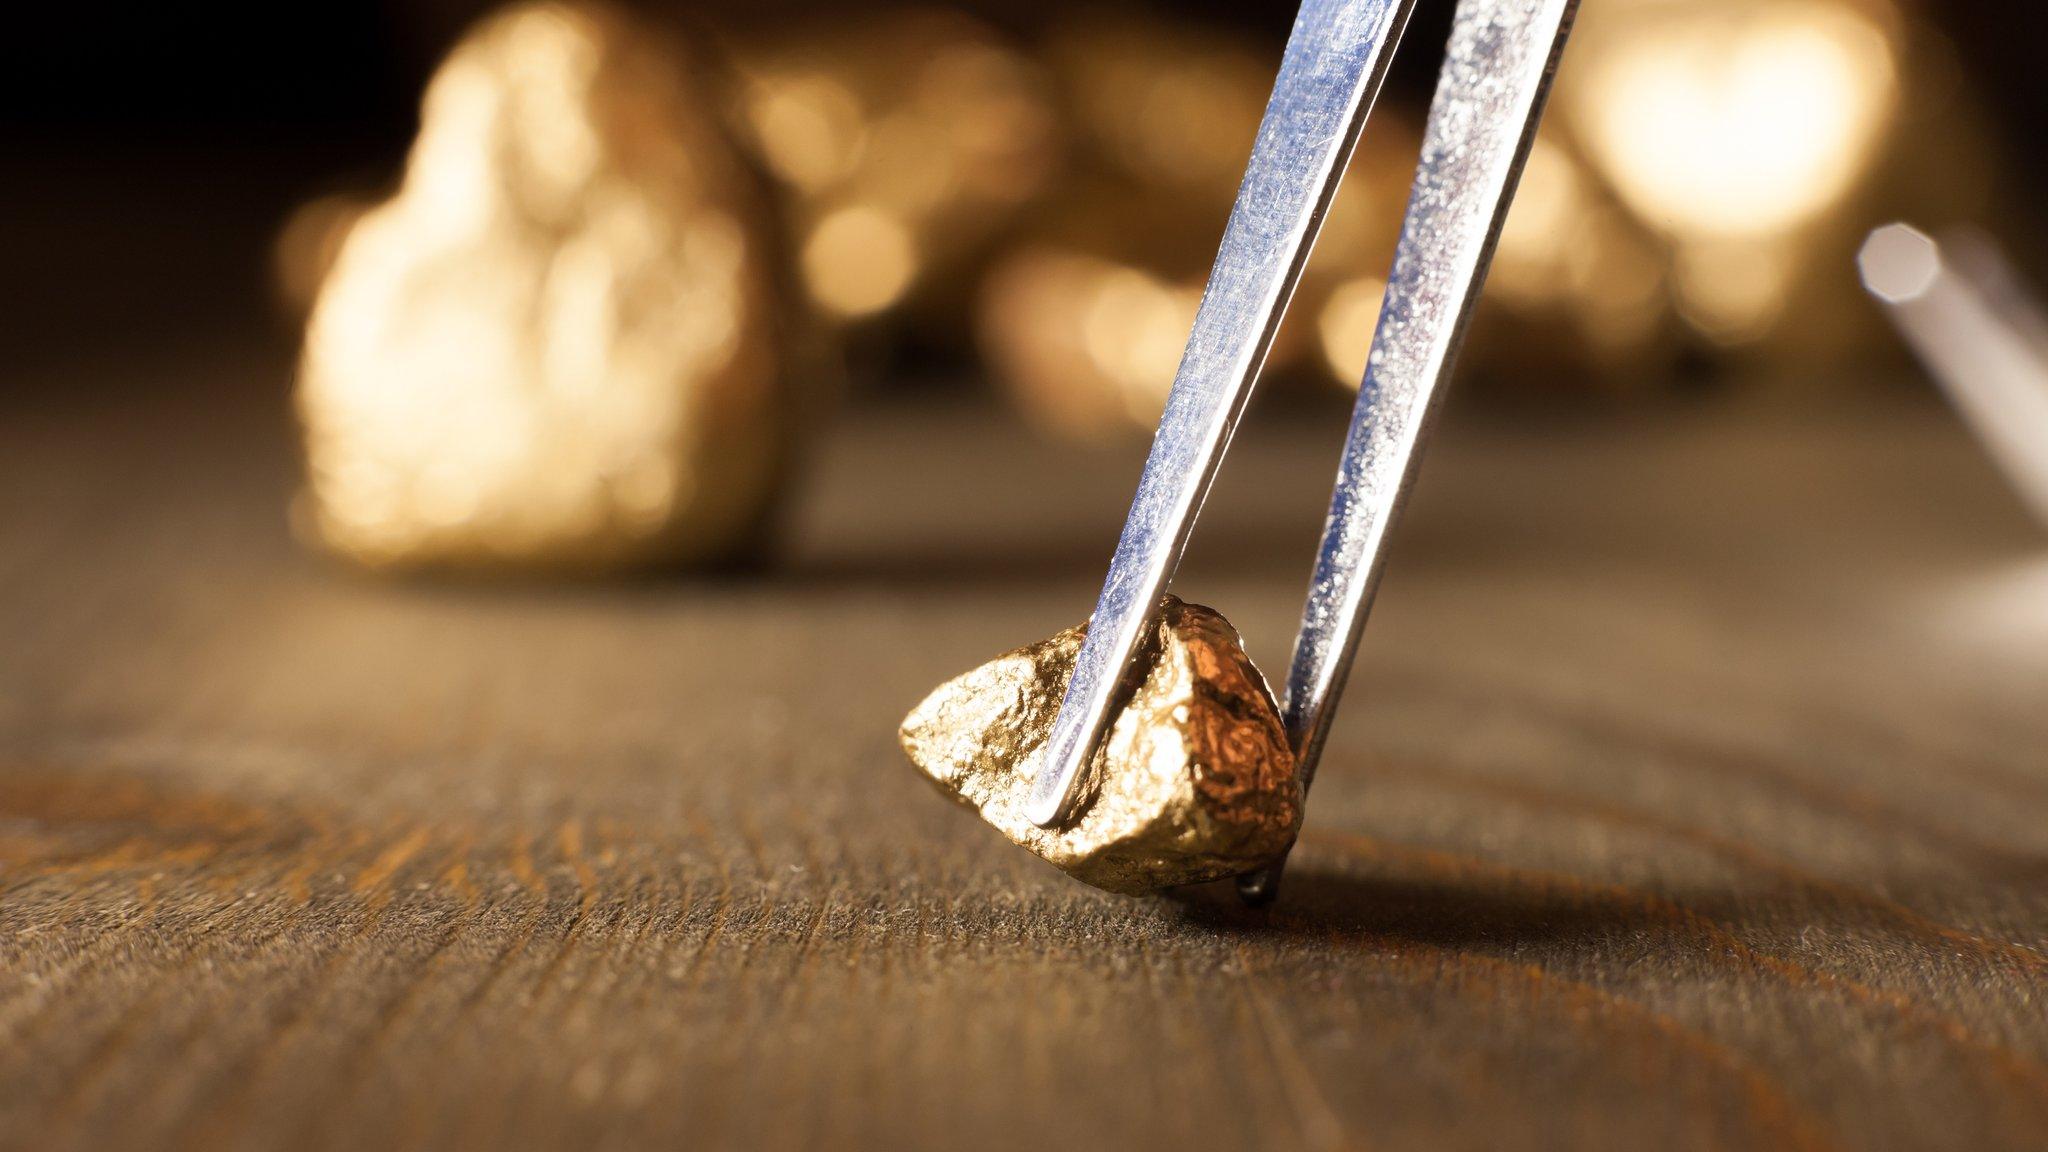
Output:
x=350 y=73
x=152 y=150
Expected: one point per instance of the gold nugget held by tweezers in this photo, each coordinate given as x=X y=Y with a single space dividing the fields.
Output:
x=1195 y=782
x=1197 y=774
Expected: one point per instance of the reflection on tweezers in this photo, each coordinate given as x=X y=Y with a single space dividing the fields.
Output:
x=1489 y=98
x=1982 y=335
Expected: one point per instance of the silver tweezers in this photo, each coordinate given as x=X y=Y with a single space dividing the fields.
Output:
x=1488 y=100
x=1982 y=335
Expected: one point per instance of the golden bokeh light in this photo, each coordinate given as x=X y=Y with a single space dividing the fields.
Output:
x=553 y=345
x=1087 y=346
x=810 y=128
x=1740 y=119
x=859 y=260
x=1344 y=328
x=1579 y=287
x=1540 y=237
x=1695 y=168
x=1068 y=192
x=1732 y=291
x=1737 y=132
x=1163 y=103
x=919 y=133
x=1617 y=286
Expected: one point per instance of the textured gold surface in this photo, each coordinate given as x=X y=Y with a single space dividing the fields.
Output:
x=1195 y=783
x=555 y=345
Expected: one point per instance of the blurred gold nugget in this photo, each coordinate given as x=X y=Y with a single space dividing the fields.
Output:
x=555 y=345
x=907 y=141
x=1738 y=133
x=1194 y=783
x=308 y=244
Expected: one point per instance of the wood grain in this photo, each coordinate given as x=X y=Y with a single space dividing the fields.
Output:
x=1692 y=793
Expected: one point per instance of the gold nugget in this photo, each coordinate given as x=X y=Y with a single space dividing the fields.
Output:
x=1195 y=782
x=556 y=345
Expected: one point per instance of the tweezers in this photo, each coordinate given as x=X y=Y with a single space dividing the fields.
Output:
x=1982 y=335
x=1489 y=98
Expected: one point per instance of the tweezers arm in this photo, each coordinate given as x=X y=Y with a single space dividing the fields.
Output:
x=1334 y=63
x=1488 y=102
x=1981 y=336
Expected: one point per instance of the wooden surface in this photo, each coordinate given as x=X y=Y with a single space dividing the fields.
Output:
x=1692 y=793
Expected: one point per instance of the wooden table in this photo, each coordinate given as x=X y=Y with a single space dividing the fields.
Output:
x=1692 y=792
